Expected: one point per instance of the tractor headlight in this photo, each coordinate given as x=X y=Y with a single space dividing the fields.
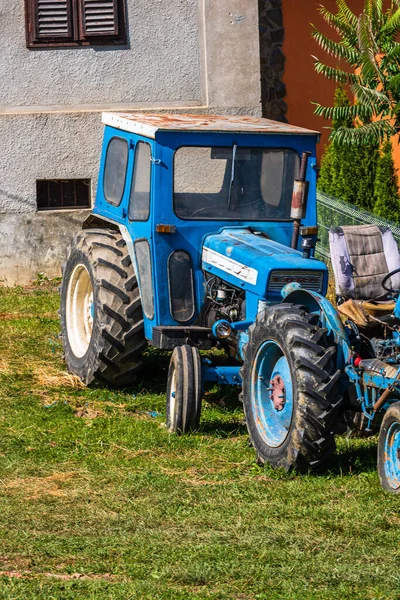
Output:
x=222 y=329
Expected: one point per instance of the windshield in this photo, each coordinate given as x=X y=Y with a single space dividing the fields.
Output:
x=252 y=184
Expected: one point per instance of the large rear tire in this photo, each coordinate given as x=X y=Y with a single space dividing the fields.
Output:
x=101 y=314
x=290 y=392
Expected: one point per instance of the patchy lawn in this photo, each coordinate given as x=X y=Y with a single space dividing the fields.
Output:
x=98 y=501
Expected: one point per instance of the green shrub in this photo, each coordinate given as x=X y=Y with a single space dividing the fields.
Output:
x=348 y=172
x=386 y=186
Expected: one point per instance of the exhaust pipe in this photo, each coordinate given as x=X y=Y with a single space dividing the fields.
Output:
x=299 y=199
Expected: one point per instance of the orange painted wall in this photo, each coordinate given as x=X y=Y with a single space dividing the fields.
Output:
x=303 y=84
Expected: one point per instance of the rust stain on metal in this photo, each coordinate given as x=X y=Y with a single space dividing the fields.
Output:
x=185 y=122
x=297 y=199
x=381 y=401
x=277 y=393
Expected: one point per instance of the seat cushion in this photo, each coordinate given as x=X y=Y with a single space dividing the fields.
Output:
x=365 y=314
x=361 y=257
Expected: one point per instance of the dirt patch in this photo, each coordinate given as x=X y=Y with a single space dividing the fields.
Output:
x=17 y=316
x=48 y=377
x=7 y=316
x=43 y=376
x=37 y=487
x=198 y=477
x=132 y=453
x=64 y=577
x=4 y=367
x=88 y=413
x=14 y=564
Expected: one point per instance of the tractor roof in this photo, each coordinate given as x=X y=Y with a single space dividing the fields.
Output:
x=148 y=124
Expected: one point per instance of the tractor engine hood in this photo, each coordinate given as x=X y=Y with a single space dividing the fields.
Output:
x=248 y=260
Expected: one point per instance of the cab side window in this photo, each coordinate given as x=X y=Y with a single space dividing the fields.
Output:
x=115 y=170
x=139 y=202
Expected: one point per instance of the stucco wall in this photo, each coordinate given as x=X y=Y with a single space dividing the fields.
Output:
x=231 y=53
x=41 y=146
x=160 y=62
x=45 y=146
x=184 y=55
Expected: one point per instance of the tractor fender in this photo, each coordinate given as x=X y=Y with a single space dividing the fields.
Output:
x=94 y=221
x=97 y=222
x=329 y=318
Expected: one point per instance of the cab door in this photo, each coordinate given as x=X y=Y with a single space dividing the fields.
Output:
x=139 y=225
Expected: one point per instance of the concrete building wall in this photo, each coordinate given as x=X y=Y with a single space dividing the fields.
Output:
x=183 y=56
x=159 y=63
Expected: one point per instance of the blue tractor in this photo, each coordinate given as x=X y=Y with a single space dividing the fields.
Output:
x=202 y=236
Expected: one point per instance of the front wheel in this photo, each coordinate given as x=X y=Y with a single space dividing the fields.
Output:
x=184 y=390
x=290 y=393
x=389 y=450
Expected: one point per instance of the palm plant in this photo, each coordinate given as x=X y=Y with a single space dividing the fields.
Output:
x=368 y=55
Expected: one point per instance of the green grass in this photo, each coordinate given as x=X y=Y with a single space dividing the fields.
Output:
x=98 y=501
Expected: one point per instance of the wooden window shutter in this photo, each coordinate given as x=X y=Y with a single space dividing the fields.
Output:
x=99 y=18
x=49 y=20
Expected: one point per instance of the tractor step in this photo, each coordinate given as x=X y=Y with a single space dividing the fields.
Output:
x=168 y=337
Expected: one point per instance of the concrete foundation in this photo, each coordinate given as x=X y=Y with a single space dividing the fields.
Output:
x=37 y=243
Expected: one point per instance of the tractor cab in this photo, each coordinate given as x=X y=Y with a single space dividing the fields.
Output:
x=203 y=199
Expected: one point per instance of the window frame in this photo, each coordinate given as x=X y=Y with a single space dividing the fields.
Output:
x=77 y=38
x=288 y=220
x=170 y=287
x=150 y=182
x=144 y=291
x=115 y=137
x=87 y=182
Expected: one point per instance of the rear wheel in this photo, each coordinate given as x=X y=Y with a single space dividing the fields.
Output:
x=184 y=390
x=101 y=314
x=389 y=450
x=290 y=392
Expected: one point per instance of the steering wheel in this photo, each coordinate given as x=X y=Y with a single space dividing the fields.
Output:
x=388 y=276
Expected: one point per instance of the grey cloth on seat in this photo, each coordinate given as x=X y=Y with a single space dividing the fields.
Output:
x=361 y=256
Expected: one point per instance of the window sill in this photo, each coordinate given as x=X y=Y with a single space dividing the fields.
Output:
x=122 y=43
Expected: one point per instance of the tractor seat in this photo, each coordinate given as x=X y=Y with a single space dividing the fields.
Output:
x=361 y=256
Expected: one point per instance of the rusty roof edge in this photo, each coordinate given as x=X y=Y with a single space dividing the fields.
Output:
x=119 y=122
x=148 y=124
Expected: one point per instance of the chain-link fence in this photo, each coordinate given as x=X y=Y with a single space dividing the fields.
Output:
x=333 y=212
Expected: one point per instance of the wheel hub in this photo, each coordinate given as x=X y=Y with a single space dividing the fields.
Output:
x=80 y=310
x=272 y=394
x=392 y=455
x=277 y=392
x=91 y=309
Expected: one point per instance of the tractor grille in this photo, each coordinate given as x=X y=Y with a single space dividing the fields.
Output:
x=309 y=280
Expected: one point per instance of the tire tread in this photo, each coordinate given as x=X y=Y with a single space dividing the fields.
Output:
x=115 y=357
x=311 y=439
